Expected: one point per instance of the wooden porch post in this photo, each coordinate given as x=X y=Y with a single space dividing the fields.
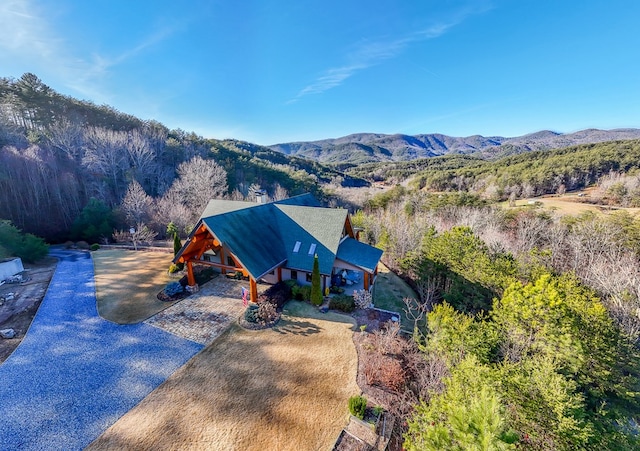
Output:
x=253 y=289
x=279 y=274
x=222 y=261
x=366 y=280
x=190 y=277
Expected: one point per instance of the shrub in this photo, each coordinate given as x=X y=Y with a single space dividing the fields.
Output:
x=391 y=374
x=291 y=283
x=173 y=289
x=94 y=247
x=28 y=247
x=267 y=312
x=202 y=276
x=277 y=294
x=357 y=406
x=251 y=313
x=173 y=268
x=305 y=293
x=362 y=299
x=82 y=245
x=342 y=302
x=32 y=248
x=336 y=290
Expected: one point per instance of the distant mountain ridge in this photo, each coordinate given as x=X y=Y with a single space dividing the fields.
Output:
x=375 y=147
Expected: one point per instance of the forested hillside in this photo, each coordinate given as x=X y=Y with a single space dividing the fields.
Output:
x=371 y=147
x=57 y=153
x=526 y=324
x=524 y=175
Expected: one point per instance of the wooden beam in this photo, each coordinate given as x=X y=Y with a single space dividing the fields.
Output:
x=190 y=277
x=279 y=274
x=253 y=289
x=222 y=260
x=219 y=265
x=366 y=280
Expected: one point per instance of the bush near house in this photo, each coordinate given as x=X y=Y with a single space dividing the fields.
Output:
x=251 y=313
x=277 y=295
x=173 y=289
x=342 y=302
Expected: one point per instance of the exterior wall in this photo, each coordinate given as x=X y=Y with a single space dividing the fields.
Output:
x=272 y=278
x=302 y=276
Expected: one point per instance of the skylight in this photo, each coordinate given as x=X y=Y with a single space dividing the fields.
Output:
x=312 y=249
x=296 y=248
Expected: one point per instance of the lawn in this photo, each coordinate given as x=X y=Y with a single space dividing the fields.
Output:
x=285 y=388
x=127 y=283
x=388 y=293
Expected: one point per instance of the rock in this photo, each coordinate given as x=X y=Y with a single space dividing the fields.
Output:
x=7 y=333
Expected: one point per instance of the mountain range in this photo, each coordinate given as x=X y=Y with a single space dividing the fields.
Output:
x=374 y=147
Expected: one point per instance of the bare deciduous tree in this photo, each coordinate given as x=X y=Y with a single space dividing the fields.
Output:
x=200 y=181
x=140 y=234
x=136 y=204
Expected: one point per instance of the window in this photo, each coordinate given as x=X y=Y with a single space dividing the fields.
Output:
x=294 y=275
x=296 y=248
x=312 y=249
x=309 y=277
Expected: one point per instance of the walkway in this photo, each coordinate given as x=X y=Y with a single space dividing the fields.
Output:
x=75 y=374
x=205 y=315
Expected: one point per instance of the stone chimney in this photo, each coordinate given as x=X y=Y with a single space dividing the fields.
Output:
x=261 y=196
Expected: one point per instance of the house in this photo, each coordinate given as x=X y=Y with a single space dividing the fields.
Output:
x=278 y=241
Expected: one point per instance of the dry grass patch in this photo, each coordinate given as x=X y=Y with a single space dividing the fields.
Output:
x=127 y=284
x=284 y=388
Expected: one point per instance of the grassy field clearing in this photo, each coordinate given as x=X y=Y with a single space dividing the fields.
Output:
x=568 y=204
x=127 y=283
x=284 y=388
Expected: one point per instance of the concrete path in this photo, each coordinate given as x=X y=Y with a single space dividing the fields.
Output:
x=75 y=374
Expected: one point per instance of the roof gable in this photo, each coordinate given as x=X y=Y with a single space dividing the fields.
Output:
x=263 y=236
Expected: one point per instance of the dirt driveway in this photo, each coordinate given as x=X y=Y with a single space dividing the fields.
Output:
x=18 y=313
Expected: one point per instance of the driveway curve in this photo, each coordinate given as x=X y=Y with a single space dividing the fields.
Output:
x=75 y=374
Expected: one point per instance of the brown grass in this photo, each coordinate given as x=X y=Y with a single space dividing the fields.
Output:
x=284 y=388
x=127 y=283
x=569 y=204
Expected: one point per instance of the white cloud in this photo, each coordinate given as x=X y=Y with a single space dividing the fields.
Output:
x=24 y=32
x=371 y=53
x=30 y=39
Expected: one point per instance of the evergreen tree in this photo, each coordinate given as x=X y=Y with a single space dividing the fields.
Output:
x=316 y=288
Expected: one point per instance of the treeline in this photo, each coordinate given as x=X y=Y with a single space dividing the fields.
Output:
x=57 y=153
x=528 y=324
x=523 y=175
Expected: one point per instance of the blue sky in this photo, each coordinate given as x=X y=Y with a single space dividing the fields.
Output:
x=278 y=71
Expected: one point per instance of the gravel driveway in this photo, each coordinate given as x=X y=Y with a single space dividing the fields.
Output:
x=75 y=374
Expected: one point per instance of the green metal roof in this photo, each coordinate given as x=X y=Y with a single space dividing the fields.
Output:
x=359 y=254
x=263 y=236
